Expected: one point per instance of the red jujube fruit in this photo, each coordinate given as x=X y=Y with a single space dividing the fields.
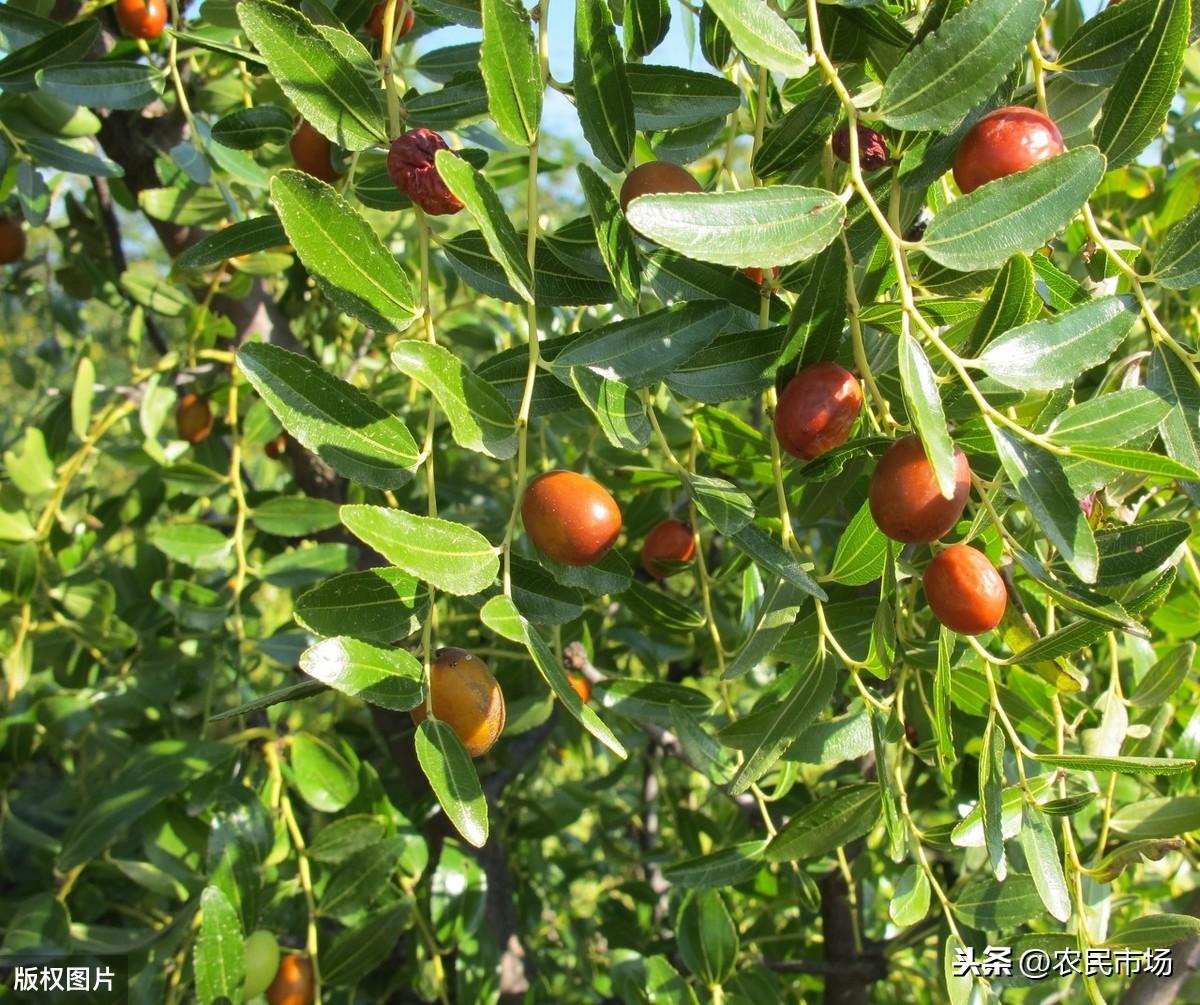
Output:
x=656 y=178
x=142 y=18
x=375 y=21
x=873 y=152
x=414 y=171
x=671 y=541
x=313 y=153
x=293 y=984
x=466 y=697
x=571 y=518
x=904 y=496
x=1002 y=143
x=12 y=241
x=817 y=410
x=964 y=590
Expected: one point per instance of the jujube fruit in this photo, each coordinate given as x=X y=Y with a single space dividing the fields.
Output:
x=466 y=697
x=277 y=447
x=581 y=685
x=817 y=410
x=656 y=178
x=413 y=169
x=313 y=153
x=904 y=496
x=757 y=275
x=262 y=962
x=571 y=518
x=964 y=590
x=1002 y=143
x=873 y=152
x=375 y=21
x=193 y=418
x=142 y=18
x=12 y=241
x=672 y=541
x=293 y=984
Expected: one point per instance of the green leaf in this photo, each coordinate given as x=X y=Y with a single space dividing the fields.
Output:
x=241 y=238
x=724 y=868
x=292 y=692
x=613 y=236
x=1098 y=48
x=651 y=701
x=943 y=732
x=343 y=253
x=251 y=128
x=618 y=410
x=1014 y=214
x=389 y=678
x=82 y=392
x=109 y=84
x=708 y=938
x=558 y=285
x=670 y=97
x=1041 y=485
x=1136 y=461
x=449 y=556
x=924 y=403
x=511 y=70
x=861 y=551
x=990 y=906
x=1142 y=94
x=1043 y=355
x=819 y=314
x=776 y=225
x=780 y=607
x=1161 y=681
x=193 y=544
x=1128 y=553
x=910 y=902
x=1177 y=264
x=991 y=784
x=1155 y=931
x=1121 y=765
x=378 y=605
x=162 y=769
x=360 y=881
x=219 y=959
x=335 y=420
x=833 y=821
x=192 y=604
x=360 y=949
x=658 y=607
x=1045 y=863
x=454 y=780
x=502 y=617
x=477 y=195
x=645 y=24
x=326 y=780
x=480 y=416
x=721 y=502
x=324 y=85
x=59 y=47
x=641 y=351
x=734 y=365
x=762 y=36
x=959 y=985
x=1164 y=817
x=295 y=516
x=799 y=136
x=602 y=94
x=956 y=67
x=780 y=723
x=755 y=543
x=1169 y=378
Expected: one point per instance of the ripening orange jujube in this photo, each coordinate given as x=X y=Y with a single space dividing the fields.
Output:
x=466 y=697
x=293 y=984
x=142 y=18
x=193 y=418
x=312 y=153
x=964 y=590
x=656 y=178
x=582 y=686
x=672 y=541
x=904 y=496
x=571 y=518
x=12 y=241
x=276 y=448
x=817 y=410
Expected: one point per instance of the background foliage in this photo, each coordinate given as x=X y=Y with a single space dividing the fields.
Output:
x=788 y=781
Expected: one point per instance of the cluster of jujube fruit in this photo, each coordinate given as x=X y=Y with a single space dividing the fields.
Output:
x=574 y=521
x=286 y=980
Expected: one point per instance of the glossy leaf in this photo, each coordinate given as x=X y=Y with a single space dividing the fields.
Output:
x=613 y=236
x=390 y=678
x=335 y=420
x=924 y=403
x=602 y=93
x=762 y=36
x=453 y=778
x=1014 y=214
x=708 y=939
x=449 y=556
x=343 y=253
x=779 y=224
x=109 y=84
x=219 y=956
x=832 y=821
x=511 y=70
